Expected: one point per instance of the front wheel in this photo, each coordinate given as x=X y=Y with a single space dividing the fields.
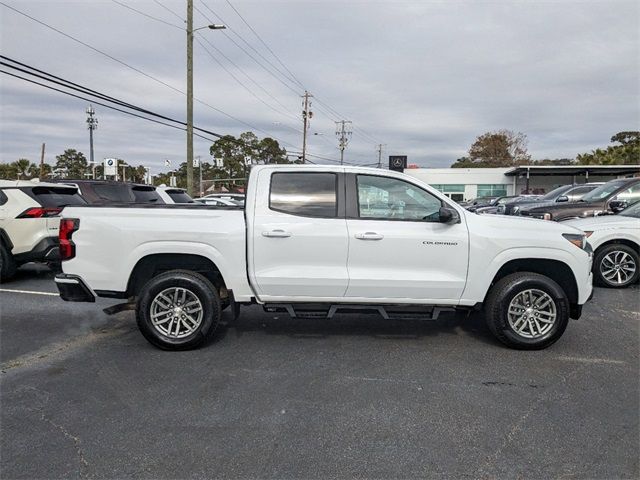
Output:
x=527 y=311
x=616 y=266
x=178 y=310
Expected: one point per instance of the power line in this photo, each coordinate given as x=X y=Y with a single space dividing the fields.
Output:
x=46 y=76
x=287 y=85
x=99 y=103
x=169 y=10
x=265 y=44
x=199 y=40
x=155 y=79
x=147 y=15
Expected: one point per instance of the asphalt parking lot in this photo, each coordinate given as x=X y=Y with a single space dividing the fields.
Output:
x=84 y=395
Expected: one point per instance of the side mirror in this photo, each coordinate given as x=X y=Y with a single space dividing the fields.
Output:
x=618 y=205
x=448 y=215
x=562 y=198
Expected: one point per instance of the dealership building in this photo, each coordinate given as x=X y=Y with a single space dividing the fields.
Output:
x=468 y=183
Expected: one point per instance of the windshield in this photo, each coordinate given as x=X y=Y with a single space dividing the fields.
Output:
x=602 y=191
x=632 y=211
x=556 y=192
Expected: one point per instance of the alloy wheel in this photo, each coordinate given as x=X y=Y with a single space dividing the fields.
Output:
x=176 y=312
x=618 y=267
x=532 y=313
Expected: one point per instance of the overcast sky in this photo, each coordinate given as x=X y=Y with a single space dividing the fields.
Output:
x=423 y=77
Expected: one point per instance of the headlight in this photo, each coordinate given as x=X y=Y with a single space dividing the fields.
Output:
x=588 y=233
x=578 y=239
x=515 y=210
x=547 y=216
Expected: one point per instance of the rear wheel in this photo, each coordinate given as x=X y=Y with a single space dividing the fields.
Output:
x=178 y=310
x=7 y=264
x=616 y=266
x=527 y=311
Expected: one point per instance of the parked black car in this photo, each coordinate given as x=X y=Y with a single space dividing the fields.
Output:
x=565 y=193
x=497 y=206
x=105 y=192
x=611 y=197
x=476 y=203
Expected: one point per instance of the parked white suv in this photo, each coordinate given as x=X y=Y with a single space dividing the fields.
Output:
x=171 y=195
x=29 y=221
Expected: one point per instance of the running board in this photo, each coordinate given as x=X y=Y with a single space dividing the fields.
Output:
x=387 y=312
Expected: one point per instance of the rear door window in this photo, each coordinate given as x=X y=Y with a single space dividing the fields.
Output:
x=55 y=196
x=311 y=194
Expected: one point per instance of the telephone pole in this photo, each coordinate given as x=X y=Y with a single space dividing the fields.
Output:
x=190 y=32
x=42 y=162
x=190 y=97
x=343 y=131
x=92 y=124
x=306 y=116
x=380 y=145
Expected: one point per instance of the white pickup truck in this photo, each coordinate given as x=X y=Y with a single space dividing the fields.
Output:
x=315 y=240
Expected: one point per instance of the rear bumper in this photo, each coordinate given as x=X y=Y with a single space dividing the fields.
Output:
x=46 y=250
x=73 y=289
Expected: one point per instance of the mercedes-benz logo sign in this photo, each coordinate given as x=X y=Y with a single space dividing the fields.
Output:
x=397 y=162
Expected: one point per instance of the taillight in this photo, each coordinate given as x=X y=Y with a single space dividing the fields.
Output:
x=40 y=212
x=67 y=247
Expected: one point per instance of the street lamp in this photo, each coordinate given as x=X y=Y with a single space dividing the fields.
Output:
x=190 y=32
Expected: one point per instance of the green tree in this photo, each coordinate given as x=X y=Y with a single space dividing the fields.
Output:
x=72 y=163
x=8 y=171
x=626 y=153
x=23 y=168
x=239 y=153
x=502 y=148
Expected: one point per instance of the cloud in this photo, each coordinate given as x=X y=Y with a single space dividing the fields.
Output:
x=424 y=78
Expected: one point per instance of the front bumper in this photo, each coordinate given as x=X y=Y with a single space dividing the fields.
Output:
x=73 y=289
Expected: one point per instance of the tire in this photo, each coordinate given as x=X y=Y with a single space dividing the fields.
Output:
x=611 y=255
x=192 y=329
x=528 y=329
x=7 y=264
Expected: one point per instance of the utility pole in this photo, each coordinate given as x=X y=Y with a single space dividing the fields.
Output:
x=343 y=130
x=190 y=97
x=380 y=145
x=92 y=124
x=42 y=162
x=306 y=117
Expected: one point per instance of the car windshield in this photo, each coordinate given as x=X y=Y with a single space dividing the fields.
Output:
x=632 y=211
x=556 y=192
x=602 y=191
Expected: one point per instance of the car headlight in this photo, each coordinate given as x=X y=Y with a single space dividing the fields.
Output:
x=515 y=210
x=546 y=216
x=588 y=233
x=578 y=239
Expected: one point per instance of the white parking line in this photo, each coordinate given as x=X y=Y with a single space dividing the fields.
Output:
x=32 y=292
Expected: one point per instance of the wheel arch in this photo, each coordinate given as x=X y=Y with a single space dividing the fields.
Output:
x=556 y=270
x=155 y=263
x=621 y=241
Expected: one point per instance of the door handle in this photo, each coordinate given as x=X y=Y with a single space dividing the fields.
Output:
x=369 y=236
x=276 y=234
